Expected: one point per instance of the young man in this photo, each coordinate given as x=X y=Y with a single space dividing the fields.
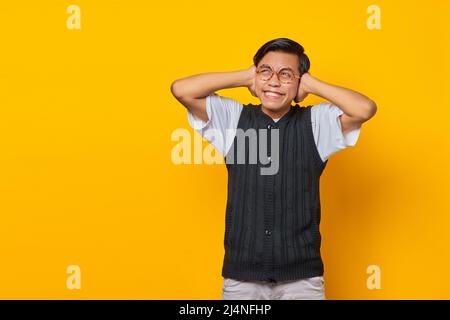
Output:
x=272 y=239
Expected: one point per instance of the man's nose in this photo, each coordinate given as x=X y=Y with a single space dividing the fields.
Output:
x=273 y=81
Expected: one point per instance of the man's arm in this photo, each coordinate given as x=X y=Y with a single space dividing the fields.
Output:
x=357 y=108
x=192 y=91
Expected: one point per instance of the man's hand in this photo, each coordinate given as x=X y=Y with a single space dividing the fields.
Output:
x=304 y=87
x=357 y=107
x=251 y=78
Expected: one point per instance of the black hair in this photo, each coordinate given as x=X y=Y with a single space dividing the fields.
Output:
x=284 y=45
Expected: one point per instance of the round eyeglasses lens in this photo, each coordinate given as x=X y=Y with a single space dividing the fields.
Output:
x=286 y=76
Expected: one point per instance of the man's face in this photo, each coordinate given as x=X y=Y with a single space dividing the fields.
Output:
x=277 y=61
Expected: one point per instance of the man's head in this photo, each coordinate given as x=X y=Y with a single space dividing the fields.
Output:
x=283 y=56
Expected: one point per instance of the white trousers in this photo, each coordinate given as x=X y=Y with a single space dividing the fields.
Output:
x=303 y=289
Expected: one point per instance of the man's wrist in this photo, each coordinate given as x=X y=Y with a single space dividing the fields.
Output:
x=246 y=76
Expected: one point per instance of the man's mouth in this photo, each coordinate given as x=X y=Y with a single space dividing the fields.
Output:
x=272 y=95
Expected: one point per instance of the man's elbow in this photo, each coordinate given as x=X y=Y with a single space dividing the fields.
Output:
x=370 y=110
x=175 y=89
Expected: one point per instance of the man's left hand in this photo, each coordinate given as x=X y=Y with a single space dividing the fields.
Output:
x=304 y=87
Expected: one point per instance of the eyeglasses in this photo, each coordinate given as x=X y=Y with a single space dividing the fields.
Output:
x=284 y=75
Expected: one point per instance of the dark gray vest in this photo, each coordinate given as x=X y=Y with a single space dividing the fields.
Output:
x=272 y=220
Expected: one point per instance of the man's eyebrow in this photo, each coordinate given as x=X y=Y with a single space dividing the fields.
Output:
x=284 y=68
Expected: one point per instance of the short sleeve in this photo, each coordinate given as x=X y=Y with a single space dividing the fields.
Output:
x=223 y=117
x=327 y=130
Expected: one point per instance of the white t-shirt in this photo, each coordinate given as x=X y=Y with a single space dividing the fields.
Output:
x=223 y=117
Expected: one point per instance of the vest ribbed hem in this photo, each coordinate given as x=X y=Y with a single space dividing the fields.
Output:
x=255 y=272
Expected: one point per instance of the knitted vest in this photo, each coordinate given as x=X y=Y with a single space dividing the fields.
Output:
x=272 y=220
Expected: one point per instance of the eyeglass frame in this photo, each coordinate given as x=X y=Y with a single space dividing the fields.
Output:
x=258 y=71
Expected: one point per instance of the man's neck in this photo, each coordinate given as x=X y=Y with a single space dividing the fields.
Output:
x=276 y=115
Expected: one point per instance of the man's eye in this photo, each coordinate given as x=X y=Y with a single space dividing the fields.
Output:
x=286 y=75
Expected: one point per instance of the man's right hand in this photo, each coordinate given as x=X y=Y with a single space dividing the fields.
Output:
x=251 y=79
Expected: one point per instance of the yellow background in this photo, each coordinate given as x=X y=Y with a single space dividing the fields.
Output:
x=86 y=117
